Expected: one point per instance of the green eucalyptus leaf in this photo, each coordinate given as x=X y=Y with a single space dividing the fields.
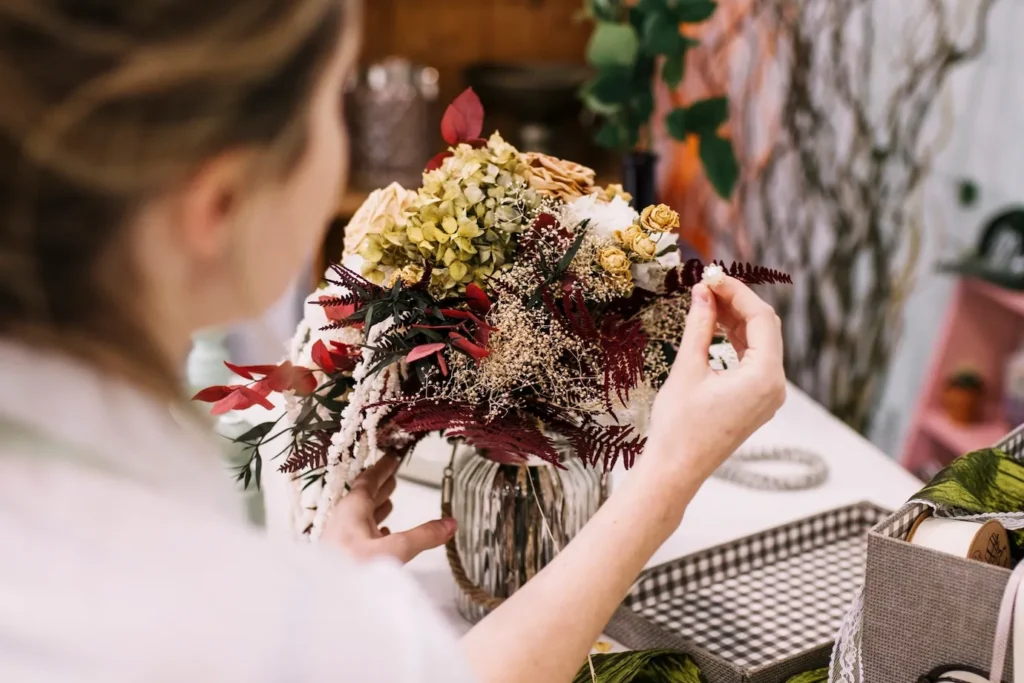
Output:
x=672 y=69
x=719 y=161
x=613 y=44
x=705 y=116
x=612 y=85
x=256 y=433
x=694 y=11
x=675 y=122
x=661 y=35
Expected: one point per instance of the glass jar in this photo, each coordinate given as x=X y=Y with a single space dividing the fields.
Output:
x=513 y=519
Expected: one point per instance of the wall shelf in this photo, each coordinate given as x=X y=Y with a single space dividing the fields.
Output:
x=984 y=326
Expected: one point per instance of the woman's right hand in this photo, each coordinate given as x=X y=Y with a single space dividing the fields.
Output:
x=701 y=415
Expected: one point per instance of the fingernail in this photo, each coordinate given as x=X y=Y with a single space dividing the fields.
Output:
x=450 y=525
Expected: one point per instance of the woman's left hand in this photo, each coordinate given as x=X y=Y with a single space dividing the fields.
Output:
x=354 y=524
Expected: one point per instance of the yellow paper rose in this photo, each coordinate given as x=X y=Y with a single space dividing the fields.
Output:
x=607 y=194
x=384 y=209
x=659 y=218
x=614 y=260
x=628 y=236
x=644 y=247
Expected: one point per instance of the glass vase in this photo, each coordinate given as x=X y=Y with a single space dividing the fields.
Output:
x=514 y=519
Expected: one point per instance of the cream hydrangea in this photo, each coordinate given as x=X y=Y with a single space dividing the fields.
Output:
x=462 y=221
x=391 y=204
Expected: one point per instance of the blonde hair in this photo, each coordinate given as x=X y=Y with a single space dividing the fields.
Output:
x=108 y=103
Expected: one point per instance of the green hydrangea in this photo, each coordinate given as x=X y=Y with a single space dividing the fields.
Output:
x=463 y=222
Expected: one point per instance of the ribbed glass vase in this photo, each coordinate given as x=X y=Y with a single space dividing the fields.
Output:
x=513 y=519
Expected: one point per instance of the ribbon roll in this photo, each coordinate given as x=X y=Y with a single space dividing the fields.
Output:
x=982 y=541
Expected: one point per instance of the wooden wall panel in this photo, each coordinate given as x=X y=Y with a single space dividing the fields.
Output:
x=450 y=34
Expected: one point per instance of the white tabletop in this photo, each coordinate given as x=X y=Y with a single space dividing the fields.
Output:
x=721 y=511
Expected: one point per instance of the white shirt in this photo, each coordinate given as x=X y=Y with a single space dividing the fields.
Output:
x=124 y=556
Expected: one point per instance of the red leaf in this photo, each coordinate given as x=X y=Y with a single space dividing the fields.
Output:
x=462 y=315
x=437 y=161
x=464 y=119
x=442 y=363
x=338 y=312
x=247 y=371
x=213 y=394
x=303 y=382
x=322 y=357
x=281 y=378
x=463 y=344
x=477 y=298
x=262 y=387
x=240 y=399
x=422 y=351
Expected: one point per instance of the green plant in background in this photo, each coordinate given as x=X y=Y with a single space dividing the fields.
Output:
x=633 y=43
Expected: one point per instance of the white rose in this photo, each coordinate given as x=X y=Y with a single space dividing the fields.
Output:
x=393 y=202
x=605 y=217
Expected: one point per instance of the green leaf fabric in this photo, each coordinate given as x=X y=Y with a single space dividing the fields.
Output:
x=641 y=666
x=613 y=44
x=693 y=11
x=816 y=676
x=985 y=481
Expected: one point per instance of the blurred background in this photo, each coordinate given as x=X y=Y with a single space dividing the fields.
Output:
x=875 y=143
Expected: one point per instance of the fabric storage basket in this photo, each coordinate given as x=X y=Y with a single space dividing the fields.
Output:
x=924 y=609
x=758 y=609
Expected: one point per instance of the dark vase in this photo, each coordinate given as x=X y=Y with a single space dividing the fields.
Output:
x=638 y=177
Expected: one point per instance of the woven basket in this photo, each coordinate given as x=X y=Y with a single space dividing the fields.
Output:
x=924 y=609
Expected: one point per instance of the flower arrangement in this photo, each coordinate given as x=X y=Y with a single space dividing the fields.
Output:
x=506 y=302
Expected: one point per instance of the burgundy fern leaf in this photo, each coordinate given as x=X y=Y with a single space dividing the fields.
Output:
x=623 y=343
x=684 y=277
x=347 y=299
x=424 y=280
x=755 y=275
x=606 y=444
x=576 y=313
x=308 y=454
x=354 y=282
x=512 y=434
x=690 y=273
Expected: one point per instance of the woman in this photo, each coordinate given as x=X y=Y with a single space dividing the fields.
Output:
x=166 y=166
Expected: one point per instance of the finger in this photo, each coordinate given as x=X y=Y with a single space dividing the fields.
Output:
x=750 y=317
x=698 y=334
x=382 y=511
x=385 y=490
x=734 y=330
x=408 y=544
x=375 y=475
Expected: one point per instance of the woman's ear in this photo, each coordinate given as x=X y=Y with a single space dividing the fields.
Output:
x=210 y=202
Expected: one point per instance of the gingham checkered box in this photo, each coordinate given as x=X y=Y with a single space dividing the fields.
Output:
x=924 y=609
x=755 y=610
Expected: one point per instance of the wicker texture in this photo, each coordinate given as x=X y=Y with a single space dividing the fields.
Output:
x=756 y=610
x=924 y=609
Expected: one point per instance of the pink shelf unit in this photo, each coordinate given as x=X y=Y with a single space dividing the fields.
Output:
x=984 y=325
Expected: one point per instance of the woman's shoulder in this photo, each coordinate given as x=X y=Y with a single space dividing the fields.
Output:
x=120 y=574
